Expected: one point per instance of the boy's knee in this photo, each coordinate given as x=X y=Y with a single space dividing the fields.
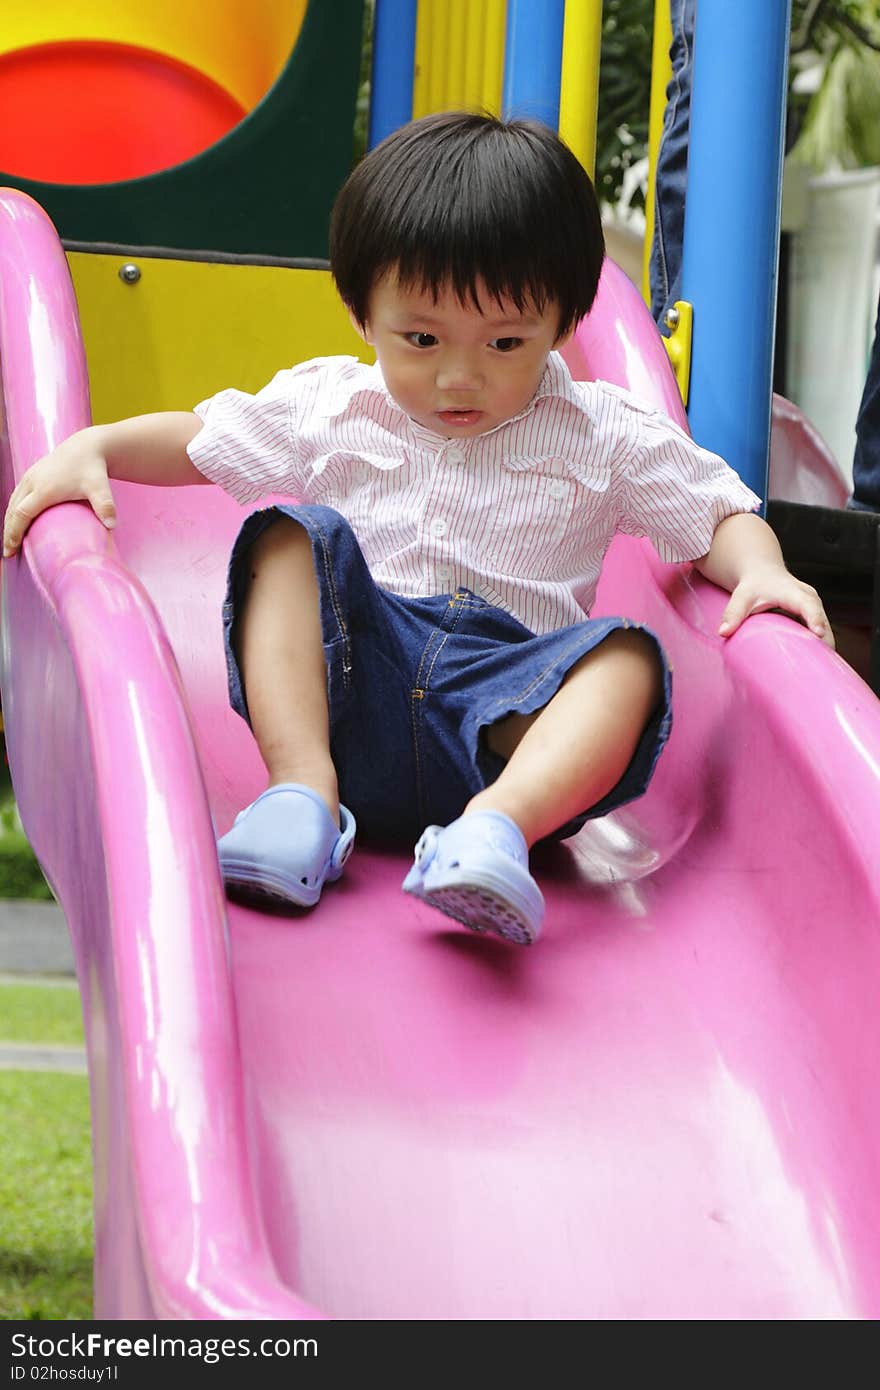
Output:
x=635 y=640
x=642 y=655
x=281 y=544
x=280 y=535
x=636 y=654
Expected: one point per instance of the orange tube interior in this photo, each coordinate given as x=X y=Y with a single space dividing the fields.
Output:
x=105 y=91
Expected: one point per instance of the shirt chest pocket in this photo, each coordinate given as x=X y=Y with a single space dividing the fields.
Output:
x=536 y=518
x=341 y=479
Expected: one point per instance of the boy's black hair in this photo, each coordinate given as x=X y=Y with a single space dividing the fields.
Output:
x=458 y=198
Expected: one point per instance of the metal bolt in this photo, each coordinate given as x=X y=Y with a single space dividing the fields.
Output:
x=673 y=318
x=129 y=273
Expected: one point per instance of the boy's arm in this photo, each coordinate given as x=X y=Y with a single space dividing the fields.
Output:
x=145 y=449
x=745 y=559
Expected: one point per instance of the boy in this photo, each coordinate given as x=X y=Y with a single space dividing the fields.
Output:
x=411 y=647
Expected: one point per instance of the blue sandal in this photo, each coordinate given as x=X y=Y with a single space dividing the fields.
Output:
x=285 y=846
x=476 y=870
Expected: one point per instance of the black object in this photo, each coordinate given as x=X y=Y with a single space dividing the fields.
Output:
x=838 y=552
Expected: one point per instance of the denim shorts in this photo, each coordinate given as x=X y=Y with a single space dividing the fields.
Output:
x=413 y=683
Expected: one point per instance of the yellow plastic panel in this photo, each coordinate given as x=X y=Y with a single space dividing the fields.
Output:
x=439 y=54
x=241 y=44
x=474 y=57
x=456 y=51
x=188 y=328
x=661 y=76
x=421 y=75
x=579 y=87
x=493 y=63
x=431 y=76
x=459 y=55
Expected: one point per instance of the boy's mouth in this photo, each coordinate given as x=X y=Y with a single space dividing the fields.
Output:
x=460 y=417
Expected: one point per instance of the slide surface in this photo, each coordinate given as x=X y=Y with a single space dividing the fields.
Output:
x=665 y=1110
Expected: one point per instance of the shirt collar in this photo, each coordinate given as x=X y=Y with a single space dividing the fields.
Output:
x=556 y=381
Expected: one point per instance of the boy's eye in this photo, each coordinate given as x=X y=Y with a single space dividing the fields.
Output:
x=505 y=344
x=422 y=340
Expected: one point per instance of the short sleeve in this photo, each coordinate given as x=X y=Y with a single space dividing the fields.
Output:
x=248 y=444
x=672 y=491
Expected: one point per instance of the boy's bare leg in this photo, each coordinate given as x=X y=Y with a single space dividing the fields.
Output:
x=281 y=658
x=570 y=754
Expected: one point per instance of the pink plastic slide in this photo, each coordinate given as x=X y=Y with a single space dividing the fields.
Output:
x=667 y=1109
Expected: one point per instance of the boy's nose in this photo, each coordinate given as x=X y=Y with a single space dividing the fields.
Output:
x=458 y=374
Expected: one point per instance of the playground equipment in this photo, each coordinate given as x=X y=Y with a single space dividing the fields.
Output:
x=665 y=1110
x=226 y=128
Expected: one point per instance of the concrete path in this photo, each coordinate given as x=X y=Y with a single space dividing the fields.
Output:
x=39 y=1057
x=35 y=950
x=34 y=939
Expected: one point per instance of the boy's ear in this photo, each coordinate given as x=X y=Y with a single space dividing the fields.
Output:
x=362 y=329
x=563 y=339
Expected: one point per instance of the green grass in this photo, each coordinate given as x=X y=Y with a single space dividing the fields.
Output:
x=40 y=1013
x=46 y=1236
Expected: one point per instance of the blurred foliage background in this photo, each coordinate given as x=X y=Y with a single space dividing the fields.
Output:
x=834 y=90
x=834 y=103
x=20 y=874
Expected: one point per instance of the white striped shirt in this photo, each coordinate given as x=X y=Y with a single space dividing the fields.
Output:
x=522 y=515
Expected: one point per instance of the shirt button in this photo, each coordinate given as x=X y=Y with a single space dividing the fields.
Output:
x=438 y=527
x=455 y=456
x=558 y=488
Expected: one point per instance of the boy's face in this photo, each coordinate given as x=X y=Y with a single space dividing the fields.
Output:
x=453 y=369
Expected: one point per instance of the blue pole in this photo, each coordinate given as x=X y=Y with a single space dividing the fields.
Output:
x=731 y=237
x=533 y=60
x=391 y=85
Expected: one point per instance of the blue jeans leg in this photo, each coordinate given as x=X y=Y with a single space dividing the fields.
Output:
x=866 y=460
x=672 y=158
